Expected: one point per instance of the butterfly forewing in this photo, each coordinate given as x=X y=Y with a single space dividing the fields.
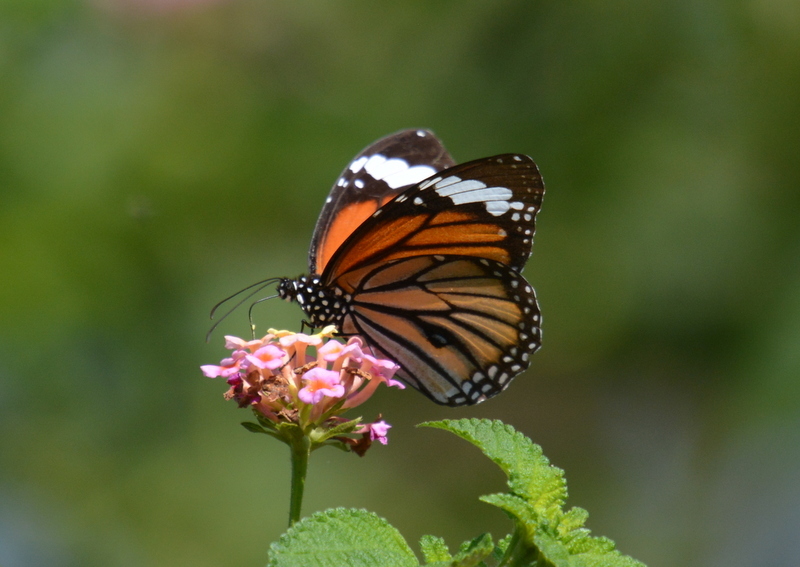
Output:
x=485 y=208
x=377 y=175
x=459 y=327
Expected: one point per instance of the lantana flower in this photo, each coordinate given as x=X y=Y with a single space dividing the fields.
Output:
x=306 y=382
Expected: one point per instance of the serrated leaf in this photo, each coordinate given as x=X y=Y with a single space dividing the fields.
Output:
x=530 y=474
x=338 y=537
x=434 y=549
x=515 y=506
x=473 y=552
x=544 y=534
x=573 y=520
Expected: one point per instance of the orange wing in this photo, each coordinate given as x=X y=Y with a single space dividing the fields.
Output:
x=377 y=175
x=460 y=328
x=483 y=209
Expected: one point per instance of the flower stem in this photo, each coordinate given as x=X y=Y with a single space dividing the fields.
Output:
x=518 y=553
x=301 y=449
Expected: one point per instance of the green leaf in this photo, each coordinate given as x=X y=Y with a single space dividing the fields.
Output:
x=434 y=549
x=339 y=537
x=544 y=535
x=473 y=552
x=322 y=434
x=529 y=472
x=514 y=506
x=253 y=427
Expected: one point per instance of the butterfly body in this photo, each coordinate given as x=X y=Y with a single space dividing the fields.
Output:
x=422 y=258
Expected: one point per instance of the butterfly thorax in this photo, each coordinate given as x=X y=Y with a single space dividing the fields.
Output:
x=324 y=305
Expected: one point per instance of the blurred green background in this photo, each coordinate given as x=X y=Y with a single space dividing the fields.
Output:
x=157 y=155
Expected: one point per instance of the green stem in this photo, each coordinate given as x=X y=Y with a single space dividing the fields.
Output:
x=518 y=554
x=301 y=449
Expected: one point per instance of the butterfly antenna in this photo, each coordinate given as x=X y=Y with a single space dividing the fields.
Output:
x=250 y=310
x=258 y=287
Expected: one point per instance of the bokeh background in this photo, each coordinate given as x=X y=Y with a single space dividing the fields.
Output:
x=157 y=155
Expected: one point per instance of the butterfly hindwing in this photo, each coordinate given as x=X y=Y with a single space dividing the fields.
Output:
x=375 y=176
x=484 y=208
x=459 y=327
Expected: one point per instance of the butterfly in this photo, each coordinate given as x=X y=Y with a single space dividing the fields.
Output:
x=422 y=258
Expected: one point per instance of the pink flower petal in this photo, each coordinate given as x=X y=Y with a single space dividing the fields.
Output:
x=378 y=431
x=320 y=383
x=269 y=356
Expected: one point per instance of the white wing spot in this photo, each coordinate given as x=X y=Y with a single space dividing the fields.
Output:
x=447 y=181
x=359 y=183
x=356 y=166
x=421 y=133
x=379 y=167
x=417 y=200
x=447 y=188
x=475 y=191
x=430 y=182
x=408 y=176
x=496 y=208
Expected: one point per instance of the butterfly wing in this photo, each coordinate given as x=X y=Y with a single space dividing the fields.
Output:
x=459 y=327
x=377 y=175
x=433 y=279
x=484 y=208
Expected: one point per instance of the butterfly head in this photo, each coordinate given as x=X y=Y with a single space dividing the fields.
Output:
x=323 y=305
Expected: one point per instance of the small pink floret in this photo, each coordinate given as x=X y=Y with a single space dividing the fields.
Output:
x=269 y=356
x=382 y=367
x=320 y=383
x=227 y=367
x=378 y=431
x=235 y=343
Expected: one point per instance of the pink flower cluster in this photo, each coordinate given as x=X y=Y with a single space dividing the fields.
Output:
x=278 y=378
